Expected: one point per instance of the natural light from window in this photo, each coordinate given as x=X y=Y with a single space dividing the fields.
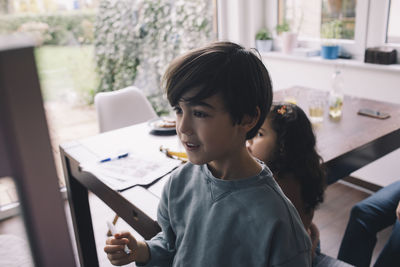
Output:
x=319 y=19
x=393 y=33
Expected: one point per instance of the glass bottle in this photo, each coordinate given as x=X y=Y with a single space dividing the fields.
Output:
x=336 y=95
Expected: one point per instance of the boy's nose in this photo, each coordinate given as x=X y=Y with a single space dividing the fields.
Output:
x=183 y=125
x=249 y=143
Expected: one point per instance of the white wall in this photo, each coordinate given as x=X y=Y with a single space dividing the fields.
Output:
x=363 y=80
x=239 y=20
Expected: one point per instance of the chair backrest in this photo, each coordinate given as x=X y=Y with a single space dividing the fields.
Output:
x=122 y=108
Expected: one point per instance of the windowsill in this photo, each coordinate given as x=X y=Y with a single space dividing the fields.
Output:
x=344 y=62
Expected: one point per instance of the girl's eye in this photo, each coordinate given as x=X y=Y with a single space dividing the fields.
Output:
x=199 y=114
x=177 y=110
x=259 y=134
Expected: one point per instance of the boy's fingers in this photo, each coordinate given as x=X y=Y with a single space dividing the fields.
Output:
x=113 y=248
x=116 y=241
x=117 y=255
x=120 y=258
x=130 y=240
x=123 y=234
x=108 y=241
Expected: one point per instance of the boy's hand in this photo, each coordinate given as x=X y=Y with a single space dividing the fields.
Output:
x=398 y=211
x=115 y=249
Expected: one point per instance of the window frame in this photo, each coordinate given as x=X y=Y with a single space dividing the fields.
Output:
x=379 y=19
x=370 y=28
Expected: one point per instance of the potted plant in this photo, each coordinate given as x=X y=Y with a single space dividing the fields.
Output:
x=283 y=27
x=288 y=38
x=263 y=40
x=330 y=32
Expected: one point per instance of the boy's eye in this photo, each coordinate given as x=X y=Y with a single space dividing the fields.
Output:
x=177 y=110
x=259 y=134
x=199 y=114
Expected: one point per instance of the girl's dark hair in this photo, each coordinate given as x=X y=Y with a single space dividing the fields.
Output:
x=295 y=153
x=223 y=68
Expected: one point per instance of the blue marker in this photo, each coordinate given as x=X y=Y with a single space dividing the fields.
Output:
x=117 y=157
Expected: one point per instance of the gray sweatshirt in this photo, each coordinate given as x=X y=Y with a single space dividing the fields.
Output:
x=210 y=222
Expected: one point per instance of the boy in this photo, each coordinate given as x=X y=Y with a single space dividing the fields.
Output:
x=223 y=208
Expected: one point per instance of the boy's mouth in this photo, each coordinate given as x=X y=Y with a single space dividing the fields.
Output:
x=191 y=146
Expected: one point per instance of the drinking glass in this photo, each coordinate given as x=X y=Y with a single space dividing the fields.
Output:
x=316 y=107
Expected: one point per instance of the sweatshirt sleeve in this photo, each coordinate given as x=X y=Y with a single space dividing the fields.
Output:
x=162 y=246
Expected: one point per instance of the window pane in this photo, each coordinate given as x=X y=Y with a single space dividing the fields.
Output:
x=83 y=51
x=393 y=33
x=65 y=62
x=319 y=18
x=341 y=15
x=302 y=16
x=12 y=229
x=8 y=193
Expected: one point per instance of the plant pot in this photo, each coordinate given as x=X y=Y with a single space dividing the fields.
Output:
x=264 y=45
x=329 y=51
x=289 y=42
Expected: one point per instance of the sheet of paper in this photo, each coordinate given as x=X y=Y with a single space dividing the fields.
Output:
x=136 y=169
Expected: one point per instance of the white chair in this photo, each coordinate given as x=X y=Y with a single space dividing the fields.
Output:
x=122 y=108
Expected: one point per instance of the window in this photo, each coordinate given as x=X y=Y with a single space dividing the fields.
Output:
x=65 y=63
x=314 y=18
x=341 y=14
x=393 y=32
x=362 y=24
x=70 y=34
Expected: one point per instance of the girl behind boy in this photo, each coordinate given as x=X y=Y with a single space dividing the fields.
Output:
x=286 y=143
x=223 y=207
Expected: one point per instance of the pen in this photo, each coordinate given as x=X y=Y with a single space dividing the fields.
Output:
x=117 y=157
x=113 y=231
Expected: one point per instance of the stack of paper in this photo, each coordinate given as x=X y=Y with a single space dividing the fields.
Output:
x=132 y=170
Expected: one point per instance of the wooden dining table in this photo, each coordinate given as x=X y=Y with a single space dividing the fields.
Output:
x=351 y=141
x=345 y=144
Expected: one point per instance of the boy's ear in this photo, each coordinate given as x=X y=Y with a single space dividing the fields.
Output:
x=248 y=122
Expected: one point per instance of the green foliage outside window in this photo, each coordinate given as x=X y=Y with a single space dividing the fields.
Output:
x=332 y=29
x=65 y=28
x=135 y=41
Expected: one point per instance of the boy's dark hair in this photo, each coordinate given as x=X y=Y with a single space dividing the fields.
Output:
x=225 y=68
x=295 y=153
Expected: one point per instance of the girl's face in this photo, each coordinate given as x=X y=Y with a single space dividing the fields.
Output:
x=264 y=143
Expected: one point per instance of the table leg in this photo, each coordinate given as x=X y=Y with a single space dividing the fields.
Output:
x=81 y=218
